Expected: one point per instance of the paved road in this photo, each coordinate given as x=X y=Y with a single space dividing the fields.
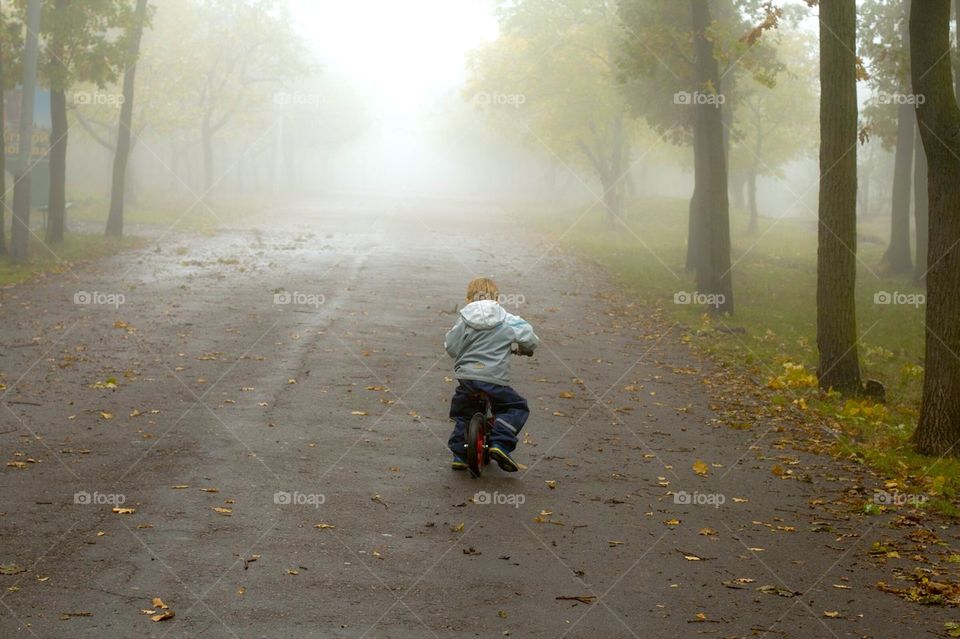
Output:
x=335 y=403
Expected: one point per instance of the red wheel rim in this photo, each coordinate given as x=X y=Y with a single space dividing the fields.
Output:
x=479 y=449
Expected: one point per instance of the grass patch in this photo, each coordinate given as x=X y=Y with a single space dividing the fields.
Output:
x=772 y=337
x=60 y=257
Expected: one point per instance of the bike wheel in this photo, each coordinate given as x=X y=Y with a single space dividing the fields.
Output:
x=476 y=439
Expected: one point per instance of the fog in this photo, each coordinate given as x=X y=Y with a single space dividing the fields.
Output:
x=529 y=318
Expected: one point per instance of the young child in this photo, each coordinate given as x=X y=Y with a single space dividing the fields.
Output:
x=480 y=343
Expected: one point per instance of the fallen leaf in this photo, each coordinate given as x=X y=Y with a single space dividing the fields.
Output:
x=11 y=569
x=701 y=468
x=223 y=511
x=124 y=511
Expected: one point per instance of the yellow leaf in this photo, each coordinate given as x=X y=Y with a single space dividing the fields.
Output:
x=223 y=511
x=701 y=468
x=124 y=511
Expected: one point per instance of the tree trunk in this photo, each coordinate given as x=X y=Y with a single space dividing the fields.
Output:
x=206 y=139
x=122 y=156
x=921 y=210
x=956 y=69
x=752 y=201
x=20 y=227
x=839 y=365
x=738 y=181
x=897 y=257
x=3 y=150
x=714 y=277
x=938 y=431
x=57 y=209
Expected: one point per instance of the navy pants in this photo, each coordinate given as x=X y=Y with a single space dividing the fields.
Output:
x=509 y=407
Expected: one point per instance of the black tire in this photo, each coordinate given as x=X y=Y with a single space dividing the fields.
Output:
x=476 y=438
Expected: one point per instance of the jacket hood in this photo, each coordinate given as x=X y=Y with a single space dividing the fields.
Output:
x=483 y=314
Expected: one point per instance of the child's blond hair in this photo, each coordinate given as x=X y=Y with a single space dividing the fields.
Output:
x=482 y=288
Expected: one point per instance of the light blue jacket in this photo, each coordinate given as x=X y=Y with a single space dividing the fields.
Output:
x=480 y=342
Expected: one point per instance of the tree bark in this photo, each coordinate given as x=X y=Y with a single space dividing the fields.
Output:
x=124 y=128
x=57 y=206
x=714 y=275
x=897 y=257
x=839 y=365
x=752 y=201
x=956 y=69
x=938 y=430
x=921 y=210
x=3 y=150
x=20 y=227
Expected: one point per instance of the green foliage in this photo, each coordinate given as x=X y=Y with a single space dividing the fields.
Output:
x=550 y=78
x=772 y=125
x=82 y=41
x=656 y=59
x=881 y=45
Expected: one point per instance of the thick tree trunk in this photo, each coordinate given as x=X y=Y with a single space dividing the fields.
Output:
x=839 y=365
x=897 y=257
x=956 y=69
x=122 y=156
x=20 y=225
x=938 y=431
x=3 y=153
x=921 y=210
x=57 y=210
x=714 y=275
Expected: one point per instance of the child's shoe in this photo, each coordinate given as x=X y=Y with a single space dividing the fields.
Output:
x=458 y=463
x=503 y=459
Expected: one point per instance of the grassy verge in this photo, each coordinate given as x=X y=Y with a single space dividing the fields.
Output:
x=772 y=336
x=60 y=257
